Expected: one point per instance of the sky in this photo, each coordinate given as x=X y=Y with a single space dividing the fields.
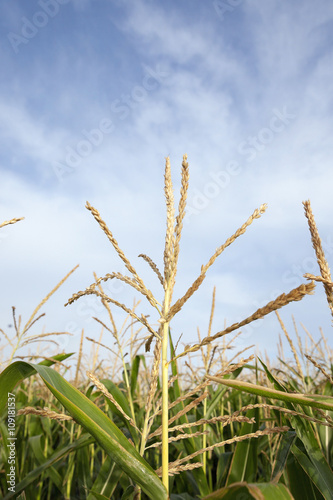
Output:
x=95 y=94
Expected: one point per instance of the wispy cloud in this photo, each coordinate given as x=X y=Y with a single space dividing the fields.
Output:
x=101 y=93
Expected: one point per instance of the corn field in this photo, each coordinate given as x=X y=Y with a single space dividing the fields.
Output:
x=160 y=420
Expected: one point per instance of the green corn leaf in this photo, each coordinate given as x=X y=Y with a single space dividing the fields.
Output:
x=316 y=460
x=283 y=452
x=135 y=371
x=121 y=399
x=273 y=393
x=10 y=377
x=249 y=491
x=299 y=483
x=310 y=469
x=98 y=496
x=218 y=395
x=106 y=480
x=35 y=444
x=244 y=460
x=34 y=474
x=105 y=432
x=189 y=444
x=79 y=466
x=324 y=476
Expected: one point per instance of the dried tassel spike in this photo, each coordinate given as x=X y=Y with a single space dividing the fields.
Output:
x=321 y=259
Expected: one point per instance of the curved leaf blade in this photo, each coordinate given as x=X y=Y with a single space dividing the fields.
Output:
x=272 y=393
x=105 y=432
x=248 y=491
x=18 y=371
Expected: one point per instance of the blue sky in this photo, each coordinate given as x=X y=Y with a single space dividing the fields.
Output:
x=94 y=96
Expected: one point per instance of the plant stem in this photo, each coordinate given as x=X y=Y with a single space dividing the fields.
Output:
x=165 y=389
x=204 y=439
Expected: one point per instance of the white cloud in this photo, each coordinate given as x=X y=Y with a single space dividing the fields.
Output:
x=220 y=91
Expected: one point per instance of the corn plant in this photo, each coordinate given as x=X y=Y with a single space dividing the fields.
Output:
x=133 y=442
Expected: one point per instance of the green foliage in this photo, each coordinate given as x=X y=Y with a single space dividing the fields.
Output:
x=95 y=422
x=217 y=437
x=101 y=463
